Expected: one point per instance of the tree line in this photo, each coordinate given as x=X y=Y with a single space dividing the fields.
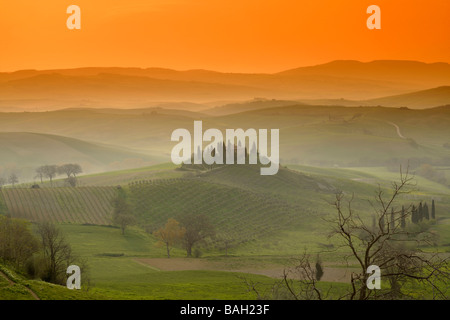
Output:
x=41 y=252
x=71 y=170
x=422 y=212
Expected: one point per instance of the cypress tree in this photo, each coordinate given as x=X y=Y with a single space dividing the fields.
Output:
x=426 y=212
x=414 y=214
x=420 y=213
x=319 y=268
x=433 y=210
x=403 y=221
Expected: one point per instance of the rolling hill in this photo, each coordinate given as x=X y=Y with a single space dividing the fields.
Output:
x=418 y=100
x=309 y=135
x=29 y=150
x=134 y=87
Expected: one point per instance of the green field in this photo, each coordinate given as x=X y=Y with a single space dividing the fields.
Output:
x=271 y=219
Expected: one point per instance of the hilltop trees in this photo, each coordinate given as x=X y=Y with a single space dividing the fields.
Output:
x=49 y=171
x=71 y=170
x=170 y=234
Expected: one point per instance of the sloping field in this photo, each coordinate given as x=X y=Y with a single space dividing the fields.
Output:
x=81 y=205
x=240 y=214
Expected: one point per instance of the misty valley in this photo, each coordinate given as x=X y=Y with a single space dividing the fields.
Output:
x=183 y=185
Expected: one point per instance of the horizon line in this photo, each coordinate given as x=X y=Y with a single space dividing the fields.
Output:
x=224 y=72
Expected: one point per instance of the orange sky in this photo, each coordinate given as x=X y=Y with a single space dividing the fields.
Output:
x=222 y=35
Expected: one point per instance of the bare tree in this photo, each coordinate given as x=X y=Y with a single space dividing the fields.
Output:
x=389 y=246
x=56 y=250
x=301 y=280
x=384 y=241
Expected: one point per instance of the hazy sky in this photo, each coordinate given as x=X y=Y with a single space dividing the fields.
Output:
x=222 y=35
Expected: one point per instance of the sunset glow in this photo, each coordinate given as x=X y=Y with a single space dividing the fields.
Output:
x=230 y=36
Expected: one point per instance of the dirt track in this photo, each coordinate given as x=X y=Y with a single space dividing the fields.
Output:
x=11 y=283
x=331 y=274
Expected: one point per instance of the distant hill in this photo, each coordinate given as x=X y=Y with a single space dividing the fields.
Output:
x=309 y=135
x=135 y=87
x=254 y=104
x=416 y=100
x=420 y=99
x=24 y=149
